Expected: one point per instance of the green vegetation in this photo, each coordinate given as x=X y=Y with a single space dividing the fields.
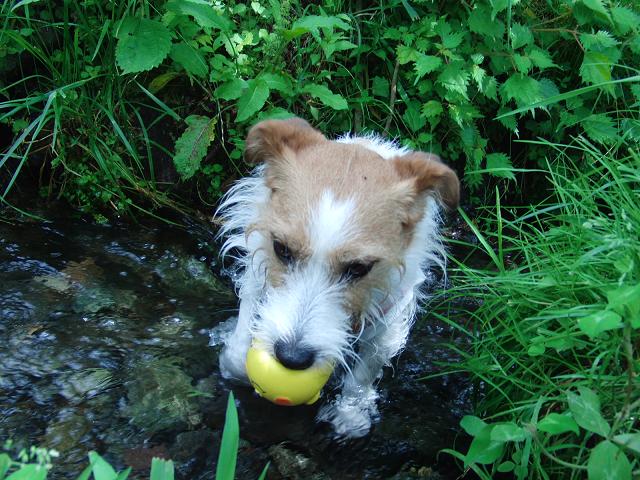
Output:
x=35 y=463
x=125 y=107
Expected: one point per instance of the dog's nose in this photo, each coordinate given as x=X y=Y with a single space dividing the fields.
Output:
x=294 y=356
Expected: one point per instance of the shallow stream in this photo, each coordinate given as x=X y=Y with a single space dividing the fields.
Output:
x=104 y=334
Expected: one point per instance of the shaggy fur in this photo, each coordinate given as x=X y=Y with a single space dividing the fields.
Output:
x=357 y=220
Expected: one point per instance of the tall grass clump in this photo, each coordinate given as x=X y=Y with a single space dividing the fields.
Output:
x=555 y=331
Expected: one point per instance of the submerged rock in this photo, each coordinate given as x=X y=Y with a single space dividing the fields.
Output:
x=294 y=465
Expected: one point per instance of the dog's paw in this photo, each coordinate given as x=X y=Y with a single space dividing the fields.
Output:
x=351 y=415
x=232 y=364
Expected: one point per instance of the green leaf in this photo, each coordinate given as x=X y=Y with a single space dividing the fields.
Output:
x=253 y=99
x=625 y=300
x=406 y=54
x=124 y=474
x=101 y=468
x=523 y=63
x=226 y=466
x=596 y=323
x=190 y=58
x=625 y=19
x=524 y=90
x=499 y=165
x=629 y=440
x=585 y=408
x=277 y=81
x=483 y=449
x=599 y=41
x=380 y=87
x=326 y=96
x=426 y=64
x=556 y=423
x=600 y=128
x=31 y=472
x=159 y=82
x=455 y=78
x=597 y=6
x=312 y=23
x=472 y=424
x=432 y=108
x=506 y=467
x=142 y=44
x=412 y=117
x=161 y=469
x=596 y=68
x=231 y=90
x=520 y=36
x=480 y=21
x=608 y=462
x=508 y=432
x=450 y=39
x=5 y=463
x=193 y=144
x=203 y=13
x=540 y=58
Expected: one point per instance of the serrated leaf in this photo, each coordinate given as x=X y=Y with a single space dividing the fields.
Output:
x=599 y=41
x=480 y=21
x=489 y=88
x=192 y=145
x=455 y=78
x=596 y=68
x=472 y=425
x=231 y=90
x=412 y=117
x=597 y=6
x=624 y=18
x=326 y=96
x=629 y=440
x=499 y=165
x=600 y=128
x=426 y=64
x=520 y=36
x=478 y=74
x=608 y=462
x=203 y=13
x=312 y=24
x=508 y=432
x=190 y=58
x=450 y=39
x=463 y=113
x=406 y=54
x=161 y=469
x=483 y=449
x=548 y=89
x=556 y=423
x=252 y=99
x=585 y=408
x=523 y=63
x=142 y=44
x=277 y=81
x=593 y=325
x=432 y=108
x=540 y=58
x=521 y=88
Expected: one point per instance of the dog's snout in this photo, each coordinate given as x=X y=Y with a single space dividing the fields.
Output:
x=294 y=356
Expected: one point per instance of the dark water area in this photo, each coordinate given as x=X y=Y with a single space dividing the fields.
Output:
x=104 y=334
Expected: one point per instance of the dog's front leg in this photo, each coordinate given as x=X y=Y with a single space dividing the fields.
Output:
x=234 y=353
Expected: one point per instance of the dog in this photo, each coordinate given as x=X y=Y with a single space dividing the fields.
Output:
x=332 y=240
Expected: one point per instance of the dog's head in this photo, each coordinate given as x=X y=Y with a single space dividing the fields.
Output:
x=335 y=228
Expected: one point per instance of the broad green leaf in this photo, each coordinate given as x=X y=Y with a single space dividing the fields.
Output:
x=450 y=39
x=31 y=472
x=5 y=462
x=159 y=82
x=432 y=108
x=142 y=44
x=480 y=21
x=508 y=432
x=380 y=87
x=585 y=408
x=483 y=449
x=478 y=74
x=548 y=89
x=312 y=23
x=193 y=144
x=596 y=323
x=600 y=41
x=523 y=63
x=540 y=58
x=597 y=6
x=161 y=469
x=101 y=468
x=226 y=466
x=489 y=88
x=506 y=467
x=252 y=99
x=455 y=78
x=463 y=113
x=520 y=35
x=406 y=54
x=499 y=165
x=600 y=128
x=596 y=68
x=472 y=424
x=426 y=64
x=202 y=12
x=231 y=90
x=276 y=113
x=629 y=440
x=190 y=58
x=625 y=19
x=277 y=81
x=556 y=423
x=608 y=462
x=625 y=300
x=410 y=10
x=412 y=117
x=326 y=96
x=521 y=88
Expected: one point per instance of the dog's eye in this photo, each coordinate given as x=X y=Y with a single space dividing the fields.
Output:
x=282 y=252
x=356 y=270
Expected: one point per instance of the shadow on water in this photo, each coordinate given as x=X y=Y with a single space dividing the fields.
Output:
x=105 y=333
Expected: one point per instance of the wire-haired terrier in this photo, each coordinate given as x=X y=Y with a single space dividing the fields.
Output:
x=334 y=239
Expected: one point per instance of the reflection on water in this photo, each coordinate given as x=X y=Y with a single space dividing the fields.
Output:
x=105 y=333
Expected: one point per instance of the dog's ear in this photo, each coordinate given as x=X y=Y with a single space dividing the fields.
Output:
x=272 y=139
x=428 y=175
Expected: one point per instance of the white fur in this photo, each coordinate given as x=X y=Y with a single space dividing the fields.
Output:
x=308 y=306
